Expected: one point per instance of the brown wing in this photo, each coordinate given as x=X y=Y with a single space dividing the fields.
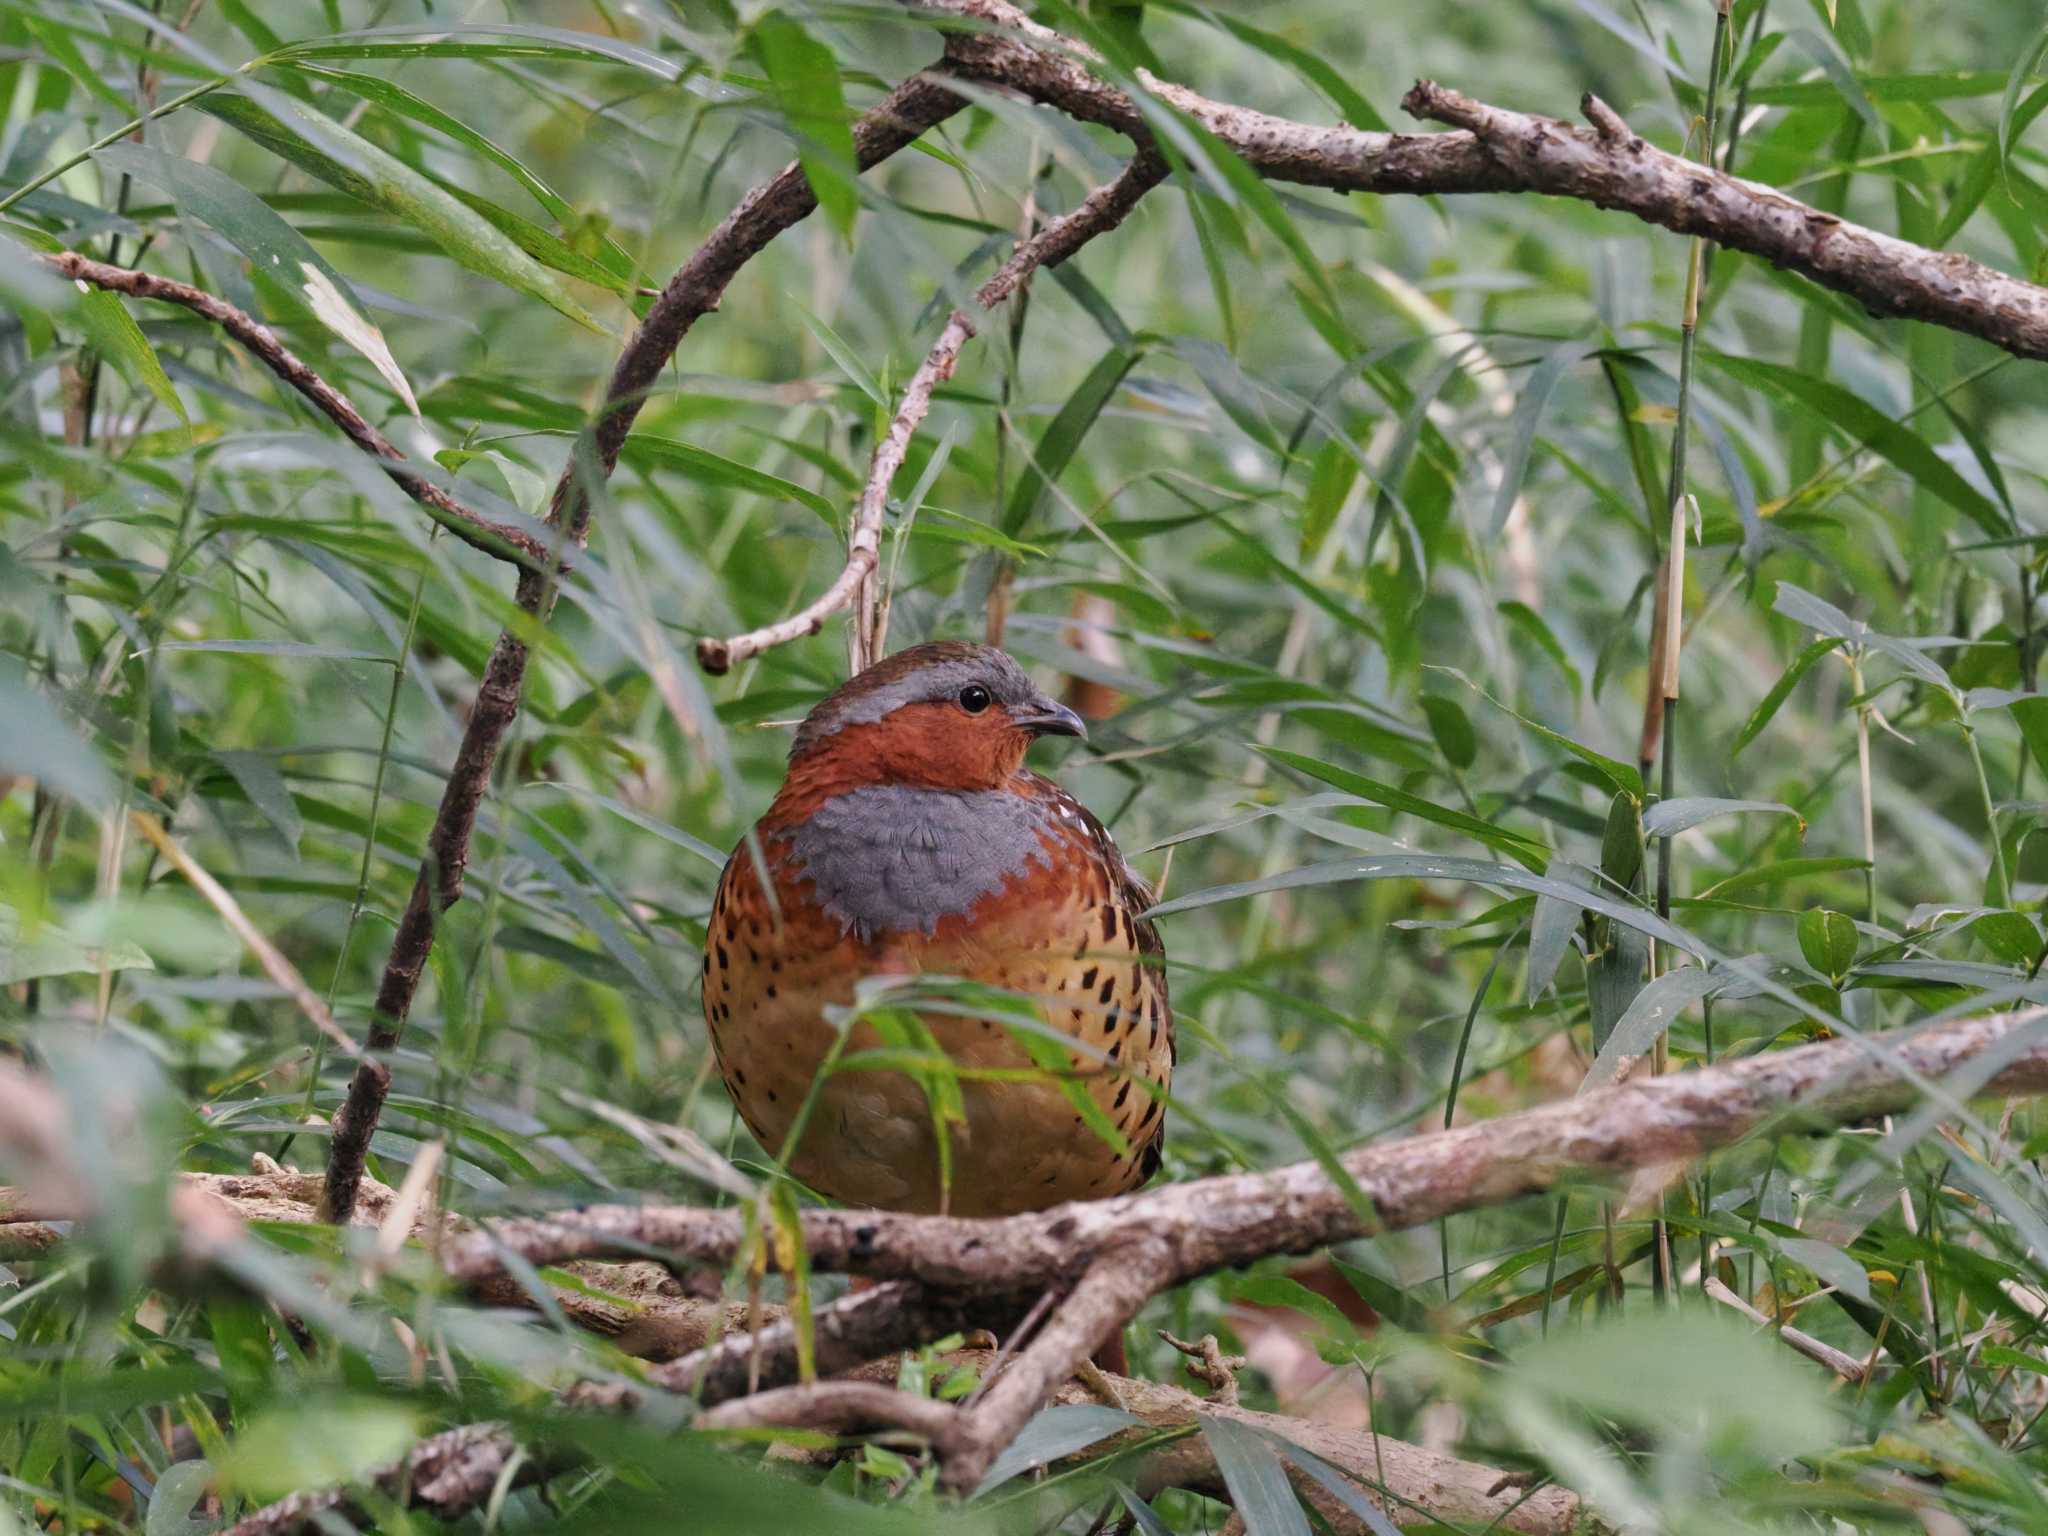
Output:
x=1130 y=896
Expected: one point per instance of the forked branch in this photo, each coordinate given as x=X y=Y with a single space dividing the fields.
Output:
x=1097 y=214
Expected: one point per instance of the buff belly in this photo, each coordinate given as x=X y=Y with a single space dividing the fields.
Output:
x=870 y=1138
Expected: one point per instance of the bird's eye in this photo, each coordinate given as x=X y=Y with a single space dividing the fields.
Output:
x=974 y=698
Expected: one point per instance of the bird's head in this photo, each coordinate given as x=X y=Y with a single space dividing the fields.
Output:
x=942 y=716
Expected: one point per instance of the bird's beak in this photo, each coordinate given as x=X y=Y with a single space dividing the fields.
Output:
x=1043 y=717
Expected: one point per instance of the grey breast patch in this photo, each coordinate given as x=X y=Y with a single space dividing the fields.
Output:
x=889 y=858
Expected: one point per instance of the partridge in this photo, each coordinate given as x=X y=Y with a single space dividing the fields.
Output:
x=909 y=838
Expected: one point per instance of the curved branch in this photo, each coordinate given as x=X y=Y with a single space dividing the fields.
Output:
x=693 y=292
x=1503 y=151
x=492 y=537
x=1101 y=211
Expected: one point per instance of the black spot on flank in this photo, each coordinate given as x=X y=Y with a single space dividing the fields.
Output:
x=1077 y=1119
x=1049 y=1178
x=1088 y=979
x=1108 y=923
x=771 y=1095
x=707 y=965
x=1063 y=984
x=1151 y=1039
x=1121 y=1094
x=753 y=955
x=1114 y=1052
x=742 y=1076
x=771 y=989
x=732 y=930
x=1145 y=1119
x=1108 y=990
x=987 y=1024
x=1080 y=949
x=774 y=967
x=1130 y=937
x=754 y=927
x=723 y=958
x=1109 y=1024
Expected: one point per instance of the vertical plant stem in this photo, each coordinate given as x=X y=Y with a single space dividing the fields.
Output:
x=1869 y=806
x=1666 y=682
x=1706 y=1171
x=2026 y=648
x=2004 y=889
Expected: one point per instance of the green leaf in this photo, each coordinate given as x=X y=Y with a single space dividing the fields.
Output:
x=40 y=744
x=1312 y=67
x=1062 y=436
x=1331 y=477
x=256 y=773
x=1051 y=1434
x=2022 y=70
x=1416 y=866
x=1686 y=1374
x=486 y=40
x=272 y=246
x=1452 y=729
x=1781 y=690
x=1828 y=941
x=1623 y=776
x=1551 y=927
x=303 y=1444
x=116 y=336
x=2031 y=715
x=806 y=89
x=325 y=149
x=1779 y=873
x=708 y=468
x=1528 y=415
x=1648 y=1015
x=1501 y=839
x=1527 y=622
x=1668 y=818
x=1256 y=1478
x=1891 y=440
x=50 y=951
x=58 y=44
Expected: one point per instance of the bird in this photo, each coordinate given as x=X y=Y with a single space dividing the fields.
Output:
x=908 y=839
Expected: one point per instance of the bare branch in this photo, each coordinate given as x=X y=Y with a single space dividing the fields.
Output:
x=487 y=534
x=1109 y=1294
x=843 y=1408
x=1213 y=1223
x=1843 y=1364
x=1101 y=211
x=1503 y=151
x=693 y=292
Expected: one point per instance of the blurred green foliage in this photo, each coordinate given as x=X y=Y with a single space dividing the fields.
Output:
x=1354 y=503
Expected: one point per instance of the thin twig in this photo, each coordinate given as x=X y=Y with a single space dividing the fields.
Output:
x=1101 y=211
x=492 y=537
